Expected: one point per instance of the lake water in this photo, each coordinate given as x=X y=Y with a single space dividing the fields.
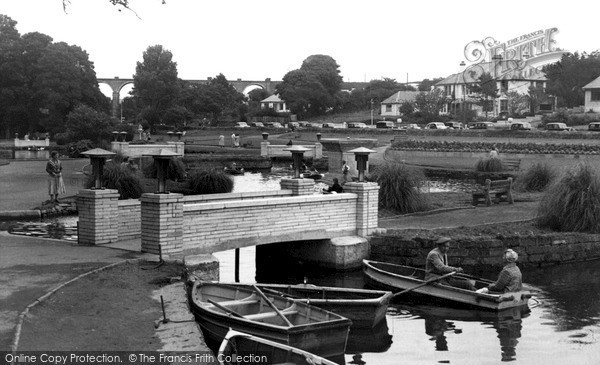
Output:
x=561 y=325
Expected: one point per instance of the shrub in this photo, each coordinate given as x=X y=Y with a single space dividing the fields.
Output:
x=572 y=203
x=74 y=149
x=537 y=177
x=120 y=178
x=399 y=188
x=210 y=182
x=175 y=170
x=489 y=165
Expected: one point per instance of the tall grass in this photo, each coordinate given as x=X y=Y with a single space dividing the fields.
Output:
x=210 y=182
x=399 y=188
x=489 y=165
x=120 y=178
x=537 y=177
x=572 y=203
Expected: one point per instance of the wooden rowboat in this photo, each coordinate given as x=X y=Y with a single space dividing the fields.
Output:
x=256 y=350
x=365 y=308
x=398 y=277
x=219 y=307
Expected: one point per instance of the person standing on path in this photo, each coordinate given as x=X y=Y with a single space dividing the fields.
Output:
x=56 y=185
x=345 y=172
x=232 y=139
x=221 y=141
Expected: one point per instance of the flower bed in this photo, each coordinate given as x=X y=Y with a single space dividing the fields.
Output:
x=504 y=147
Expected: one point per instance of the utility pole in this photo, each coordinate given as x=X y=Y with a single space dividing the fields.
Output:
x=371 y=111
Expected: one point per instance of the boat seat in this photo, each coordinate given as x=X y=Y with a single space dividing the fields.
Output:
x=267 y=315
x=239 y=302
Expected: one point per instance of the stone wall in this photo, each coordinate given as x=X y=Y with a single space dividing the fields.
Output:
x=483 y=252
x=139 y=150
x=130 y=219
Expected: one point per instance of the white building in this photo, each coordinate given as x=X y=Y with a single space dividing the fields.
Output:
x=592 y=96
x=274 y=102
x=390 y=107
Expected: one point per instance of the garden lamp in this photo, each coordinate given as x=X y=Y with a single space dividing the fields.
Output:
x=362 y=156
x=98 y=157
x=161 y=161
x=297 y=157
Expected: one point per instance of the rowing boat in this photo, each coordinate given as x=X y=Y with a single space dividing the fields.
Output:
x=365 y=308
x=398 y=277
x=238 y=347
x=219 y=307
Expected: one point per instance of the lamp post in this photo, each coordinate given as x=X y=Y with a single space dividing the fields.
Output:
x=297 y=157
x=361 y=154
x=98 y=157
x=371 y=111
x=464 y=92
x=161 y=161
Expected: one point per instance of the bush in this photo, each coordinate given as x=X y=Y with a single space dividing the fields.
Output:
x=537 y=177
x=120 y=178
x=210 y=182
x=175 y=171
x=572 y=203
x=399 y=188
x=74 y=149
x=489 y=165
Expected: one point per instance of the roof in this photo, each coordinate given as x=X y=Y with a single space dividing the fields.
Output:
x=400 y=97
x=515 y=73
x=272 y=99
x=594 y=84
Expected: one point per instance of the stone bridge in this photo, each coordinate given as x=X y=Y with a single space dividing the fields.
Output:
x=175 y=226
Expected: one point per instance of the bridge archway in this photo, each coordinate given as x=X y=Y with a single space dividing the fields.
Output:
x=251 y=87
x=116 y=85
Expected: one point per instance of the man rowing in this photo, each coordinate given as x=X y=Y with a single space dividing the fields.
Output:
x=436 y=265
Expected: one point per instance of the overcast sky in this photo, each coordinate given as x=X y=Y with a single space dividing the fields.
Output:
x=259 y=39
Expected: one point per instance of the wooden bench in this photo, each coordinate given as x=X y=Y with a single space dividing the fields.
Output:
x=400 y=137
x=501 y=189
x=512 y=164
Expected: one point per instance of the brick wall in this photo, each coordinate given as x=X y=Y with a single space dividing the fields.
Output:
x=129 y=219
x=138 y=150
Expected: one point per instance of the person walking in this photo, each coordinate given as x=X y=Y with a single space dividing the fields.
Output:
x=221 y=141
x=232 y=139
x=56 y=185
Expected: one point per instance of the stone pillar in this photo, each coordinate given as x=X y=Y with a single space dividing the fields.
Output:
x=367 y=206
x=318 y=150
x=162 y=224
x=298 y=186
x=98 y=211
x=264 y=148
x=179 y=147
x=117 y=146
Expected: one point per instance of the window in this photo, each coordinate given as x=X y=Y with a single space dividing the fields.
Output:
x=388 y=108
x=503 y=105
x=504 y=86
x=595 y=95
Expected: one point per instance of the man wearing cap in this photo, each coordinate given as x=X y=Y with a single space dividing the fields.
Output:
x=437 y=265
x=510 y=278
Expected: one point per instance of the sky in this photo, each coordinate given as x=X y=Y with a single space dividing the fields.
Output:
x=259 y=39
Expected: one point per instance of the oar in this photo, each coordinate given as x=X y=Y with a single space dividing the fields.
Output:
x=230 y=311
x=423 y=284
x=287 y=321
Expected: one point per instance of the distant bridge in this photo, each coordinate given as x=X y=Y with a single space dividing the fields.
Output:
x=242 y=86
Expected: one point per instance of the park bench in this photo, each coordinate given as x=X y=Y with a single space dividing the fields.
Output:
x=400 y=137
x=512 y=164
x=500 y=189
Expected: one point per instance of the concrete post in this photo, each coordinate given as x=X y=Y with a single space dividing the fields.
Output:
x=367 y=206
x=98 y=211
x=298 y=186
x=318 y=150
x=264 y=148
x=162 y=224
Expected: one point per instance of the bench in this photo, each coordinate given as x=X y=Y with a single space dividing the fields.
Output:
x=400 y=137
x=501 y=189
x=512 y=164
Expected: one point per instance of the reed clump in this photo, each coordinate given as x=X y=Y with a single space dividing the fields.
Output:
x=537 y=177
x=210 y=182
x=489 y=165
x=399 y=188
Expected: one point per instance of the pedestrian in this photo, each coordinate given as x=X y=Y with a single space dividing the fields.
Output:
x=510 y=278
x=494 y=152
x=56 y=185
x=335 y=188
x=221 y=141
x=232 y=139
x=237 y=141
x=436 y=265
x=345 y=172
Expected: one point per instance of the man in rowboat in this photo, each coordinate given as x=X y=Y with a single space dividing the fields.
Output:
x=437 y=265
x=510 y=278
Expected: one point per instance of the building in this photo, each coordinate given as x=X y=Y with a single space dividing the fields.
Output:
x=592 y=96
x=390 y=107
x=274 y=102
x=509 y=76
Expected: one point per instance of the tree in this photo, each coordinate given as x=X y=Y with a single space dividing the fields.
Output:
x=567 y=77
x=255 y=97
x=406 y=108
x=487 y=90
x=430 y=103
x=326 y=70
x=155 y=83
x=517 y=103
x=86 y=123
x=427 y=84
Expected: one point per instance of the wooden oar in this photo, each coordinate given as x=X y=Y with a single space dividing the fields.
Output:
x=287 y=321
x=222 y=307
x=423 y=284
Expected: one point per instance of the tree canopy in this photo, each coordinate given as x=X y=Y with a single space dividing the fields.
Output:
x=567 y=77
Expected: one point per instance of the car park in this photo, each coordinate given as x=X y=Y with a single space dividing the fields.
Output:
x=520 y=126
x=483 y=125
x=435 y=125
x=357 y=125
x=242 y=125
x=384 y=125
x=257 y=124
x=594 y=127
x=454 y=125
x=560 y=127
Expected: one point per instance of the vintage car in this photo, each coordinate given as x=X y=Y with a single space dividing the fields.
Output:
x=520 y=126
x=454 y=125
x=435 y=125
x=594 y=127
x=557 y=127
x=483 y=125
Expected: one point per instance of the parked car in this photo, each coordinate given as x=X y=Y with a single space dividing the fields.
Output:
x=294 y=125
x=331 y=125
x=557 y=127
x=483 y=125
x=274 y=125
x=409 y=126
x=435 y=125
x=242 y=125
x=595 y=127
x=257 y=124
x=455 y=125
x=384 y=125
x=520 y=126
x=357 y=125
